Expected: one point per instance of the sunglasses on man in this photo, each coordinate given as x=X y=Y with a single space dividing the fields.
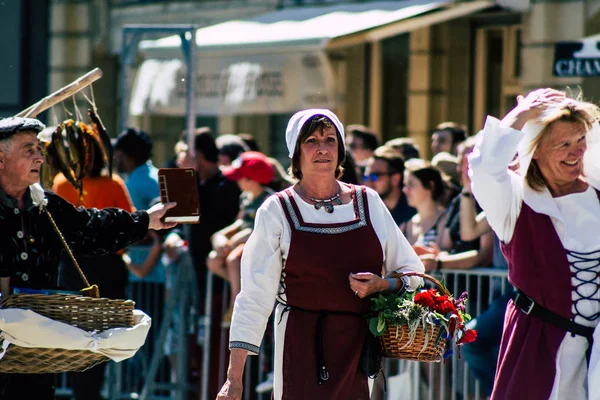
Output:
x=373 y=177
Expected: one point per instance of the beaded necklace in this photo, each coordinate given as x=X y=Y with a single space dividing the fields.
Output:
x=326 y=204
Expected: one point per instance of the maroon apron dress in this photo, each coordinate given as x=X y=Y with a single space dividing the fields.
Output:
x=537 y=265
x=326 y=330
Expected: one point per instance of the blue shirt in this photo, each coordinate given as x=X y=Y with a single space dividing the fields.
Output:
x=142 y=184
x=138 y=254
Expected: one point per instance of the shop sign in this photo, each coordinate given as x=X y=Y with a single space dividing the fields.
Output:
x=577 y=59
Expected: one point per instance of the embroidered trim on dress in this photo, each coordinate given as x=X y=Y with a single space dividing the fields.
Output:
x=246 y=346
x=328 y=230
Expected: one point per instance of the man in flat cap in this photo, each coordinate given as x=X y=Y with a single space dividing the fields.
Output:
x=31 y=249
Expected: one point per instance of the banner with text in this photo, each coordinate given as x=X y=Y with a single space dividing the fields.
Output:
x=234 y=85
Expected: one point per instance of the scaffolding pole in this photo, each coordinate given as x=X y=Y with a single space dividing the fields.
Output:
x=131 y=37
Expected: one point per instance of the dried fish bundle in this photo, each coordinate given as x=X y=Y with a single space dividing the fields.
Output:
x=72 y=147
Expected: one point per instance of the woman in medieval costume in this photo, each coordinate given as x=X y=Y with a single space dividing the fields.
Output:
x=547 y=215
x=317 y=251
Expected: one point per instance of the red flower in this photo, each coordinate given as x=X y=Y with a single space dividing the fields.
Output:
x=426 y=299
x=452 y=326
x=443 y=305
x=468 y=336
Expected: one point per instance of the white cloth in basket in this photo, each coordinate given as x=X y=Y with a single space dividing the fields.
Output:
x=26 y=328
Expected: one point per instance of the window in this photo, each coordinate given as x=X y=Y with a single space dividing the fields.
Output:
x=395 y=86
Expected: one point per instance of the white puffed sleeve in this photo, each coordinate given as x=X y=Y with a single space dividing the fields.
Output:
x=498 y=190
x=260 y=274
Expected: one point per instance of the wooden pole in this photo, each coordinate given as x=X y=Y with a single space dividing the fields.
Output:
x=61 y=94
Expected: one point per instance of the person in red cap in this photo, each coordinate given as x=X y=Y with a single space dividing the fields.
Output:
x=253 y=172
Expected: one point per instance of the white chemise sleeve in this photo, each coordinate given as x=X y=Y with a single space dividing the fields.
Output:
x=398 y=254
x=260 y=275
x=498 y=190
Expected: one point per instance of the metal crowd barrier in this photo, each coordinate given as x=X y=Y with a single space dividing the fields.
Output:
x=148 y=374
x=452 y=379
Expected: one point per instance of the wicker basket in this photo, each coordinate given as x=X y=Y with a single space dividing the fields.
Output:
x=87 y=313
x=395 y=340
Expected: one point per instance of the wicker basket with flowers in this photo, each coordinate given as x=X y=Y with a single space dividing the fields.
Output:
x=420 y=325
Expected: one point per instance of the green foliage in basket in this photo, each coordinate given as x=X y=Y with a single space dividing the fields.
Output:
x=422 y=309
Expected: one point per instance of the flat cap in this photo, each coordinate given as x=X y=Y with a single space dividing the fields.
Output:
x=12 y=125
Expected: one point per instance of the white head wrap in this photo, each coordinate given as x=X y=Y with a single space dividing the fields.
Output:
x=591 y=158
x=299 y=119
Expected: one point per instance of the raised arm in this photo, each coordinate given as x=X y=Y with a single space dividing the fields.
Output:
x=472 y=225
x=498 y=190
x=145 y=268
x=94 y=232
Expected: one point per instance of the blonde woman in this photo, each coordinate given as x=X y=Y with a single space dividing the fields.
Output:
x=547 y=215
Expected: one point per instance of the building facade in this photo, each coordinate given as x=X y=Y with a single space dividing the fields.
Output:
x=24 y=27
x=459 y=61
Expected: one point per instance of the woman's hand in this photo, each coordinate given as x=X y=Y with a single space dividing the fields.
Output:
x=465 y=179
x=531 y=107
x=221 y=245
x=430 y=248
x=364 y=284
x=172 y=246
x=232 y=244
x=231 y=390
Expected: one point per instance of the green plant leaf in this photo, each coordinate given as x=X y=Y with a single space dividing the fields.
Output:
x=437 y=339
x=373 y=322
x=381 y=324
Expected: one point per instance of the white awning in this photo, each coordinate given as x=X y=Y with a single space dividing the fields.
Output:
x=303 y=26
x=276 y=62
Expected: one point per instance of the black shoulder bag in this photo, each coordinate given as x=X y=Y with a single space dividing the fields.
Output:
x=371 y=358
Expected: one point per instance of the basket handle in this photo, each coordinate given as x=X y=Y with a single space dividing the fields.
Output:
x=437 y=283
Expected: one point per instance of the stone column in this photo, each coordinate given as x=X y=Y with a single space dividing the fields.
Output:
x=420 y=86
x=548 y=22
x=438 y=79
